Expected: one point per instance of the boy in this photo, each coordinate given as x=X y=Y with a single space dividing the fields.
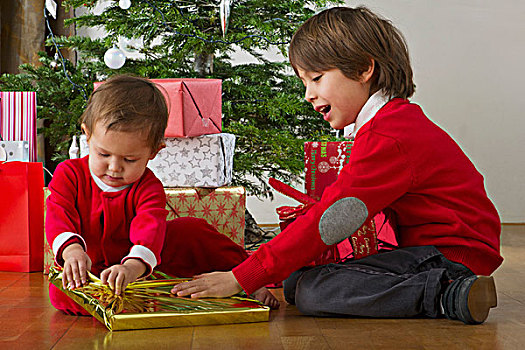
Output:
x=356 y=69
x=106 y=212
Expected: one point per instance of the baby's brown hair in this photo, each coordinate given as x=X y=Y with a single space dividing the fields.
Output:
x=347 y=39
x=129 y=104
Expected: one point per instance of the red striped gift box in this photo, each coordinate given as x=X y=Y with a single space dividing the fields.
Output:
x=18 y=118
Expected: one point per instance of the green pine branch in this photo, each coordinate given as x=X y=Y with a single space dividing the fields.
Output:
x=263 y=102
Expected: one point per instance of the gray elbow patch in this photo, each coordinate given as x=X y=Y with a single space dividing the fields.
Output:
x=342 y=219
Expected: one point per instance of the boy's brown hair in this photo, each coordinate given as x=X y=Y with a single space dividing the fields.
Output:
x=348 y=38
x=129 y=104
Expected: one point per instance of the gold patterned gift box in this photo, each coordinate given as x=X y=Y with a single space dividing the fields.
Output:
x=221 y=207
x=148 y=304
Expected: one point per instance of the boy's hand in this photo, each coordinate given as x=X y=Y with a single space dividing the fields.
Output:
x=76 y=265
x=214 y=284
x=119 y=276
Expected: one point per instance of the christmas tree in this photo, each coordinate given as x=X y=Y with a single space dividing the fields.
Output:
x=263 y=102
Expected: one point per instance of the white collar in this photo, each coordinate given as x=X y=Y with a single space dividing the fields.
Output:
x=369 y=110
x=104 y=187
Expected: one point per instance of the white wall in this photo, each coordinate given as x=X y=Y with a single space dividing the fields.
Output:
x=469 y=71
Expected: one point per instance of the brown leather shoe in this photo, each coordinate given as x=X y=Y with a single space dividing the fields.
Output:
x=469 y=299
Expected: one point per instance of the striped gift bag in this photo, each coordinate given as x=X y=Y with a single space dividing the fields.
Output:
x=18 y=119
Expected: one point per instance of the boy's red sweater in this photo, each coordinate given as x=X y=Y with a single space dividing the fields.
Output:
x=402 y=161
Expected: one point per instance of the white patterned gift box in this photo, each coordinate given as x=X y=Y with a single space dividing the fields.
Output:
x=202 y=161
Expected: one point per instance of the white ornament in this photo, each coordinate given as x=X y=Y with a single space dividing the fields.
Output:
x=114 y=58
x=73 y=149
x=224 y=11
x=124 y=4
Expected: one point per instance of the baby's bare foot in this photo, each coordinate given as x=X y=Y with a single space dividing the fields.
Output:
x=266 y=297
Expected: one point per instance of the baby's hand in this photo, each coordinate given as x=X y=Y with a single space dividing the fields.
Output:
x=119 y=276
x=76 y=265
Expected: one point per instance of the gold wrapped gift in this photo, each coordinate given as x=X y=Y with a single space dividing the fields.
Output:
x=149 y=304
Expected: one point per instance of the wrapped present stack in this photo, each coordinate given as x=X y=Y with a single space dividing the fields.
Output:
x=18 y=126
x=196 y=165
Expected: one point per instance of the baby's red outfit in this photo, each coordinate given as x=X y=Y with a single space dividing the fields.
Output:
x=128 y=223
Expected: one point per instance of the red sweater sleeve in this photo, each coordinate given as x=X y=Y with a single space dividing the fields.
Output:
x=148 y=226
x=62 y=214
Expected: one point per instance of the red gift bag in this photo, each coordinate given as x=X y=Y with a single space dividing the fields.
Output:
x=21 y=216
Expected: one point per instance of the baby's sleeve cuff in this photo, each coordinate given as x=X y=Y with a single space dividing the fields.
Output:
x=62 y=241
x=143 y=254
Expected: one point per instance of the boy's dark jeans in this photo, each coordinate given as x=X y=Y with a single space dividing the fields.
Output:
x=407 y=282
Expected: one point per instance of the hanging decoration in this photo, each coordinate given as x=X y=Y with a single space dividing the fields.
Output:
x=114 y=58
x=224 y=11
x=58 y=55
x=51 y=7
x=226 y=18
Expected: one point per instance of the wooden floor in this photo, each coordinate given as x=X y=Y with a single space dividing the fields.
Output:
x=27 y=321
